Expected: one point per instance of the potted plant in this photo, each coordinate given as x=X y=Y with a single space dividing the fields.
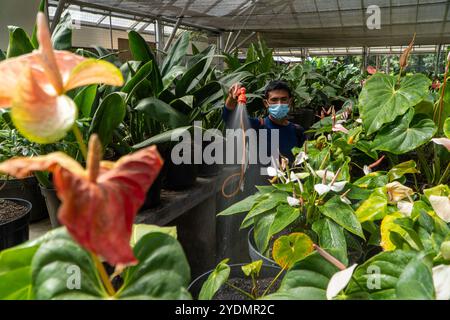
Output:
x=14 y=221
x=13 y=144
x=254 y=280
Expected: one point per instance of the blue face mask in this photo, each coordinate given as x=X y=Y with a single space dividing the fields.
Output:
x=278 y=111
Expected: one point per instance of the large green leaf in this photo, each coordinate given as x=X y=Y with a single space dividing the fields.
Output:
x=140 y=230
x=173 y=73
x=241 y=206
x=162 y=273
x=142 y=52
x=215 y=281
x=61 y=269
x=447 y=127
x=108 y=116
x=176 y=53
x=374 y=208
x=85 y=100
x=416 y=281
x=405 y=134
x=15 y=272
x=15 y=266
x=141 y=75
x=209 y=93
x=162 y=112
x=262 y=230
x=331 y=236
x=380 y=275
x=307 y=279
x=401 y=169
x=287 y=250
x=167 y=136
x=195 y=74
x=62 y=36
x=343 y=215
x=19 y=42
x=284 y=217
x=268 y=203
x=382 y=100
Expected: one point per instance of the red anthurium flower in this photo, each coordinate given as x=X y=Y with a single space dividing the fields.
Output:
x=99 y=203
x=34 y=87
x=371 y=70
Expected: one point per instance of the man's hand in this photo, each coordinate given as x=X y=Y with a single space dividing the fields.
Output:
x=233 y=94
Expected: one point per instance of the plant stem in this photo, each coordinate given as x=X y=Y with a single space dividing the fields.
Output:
x=273 y=282
x=424 y=165
x=103 y=275
x=79 y=138
x=329 y=258
x=441 y=98
x=240 y=290
x=446 y=172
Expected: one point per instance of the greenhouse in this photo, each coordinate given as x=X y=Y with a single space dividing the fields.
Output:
x=224 y=150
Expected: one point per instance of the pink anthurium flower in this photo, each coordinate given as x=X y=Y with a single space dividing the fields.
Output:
x=371 y=70
x=99 y=203
x=34 y=87
x=442 y=141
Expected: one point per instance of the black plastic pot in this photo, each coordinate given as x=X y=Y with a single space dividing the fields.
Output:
x=303 y=117
x=235 y=272
x=255 y=254
x=179 y=176
x=27 y=189
x=16 y=231
x=53 y=203
x=153 y=198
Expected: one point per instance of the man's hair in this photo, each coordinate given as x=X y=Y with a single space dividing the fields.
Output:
x=277 y=85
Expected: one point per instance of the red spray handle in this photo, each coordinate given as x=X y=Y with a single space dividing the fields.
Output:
x=242 y=99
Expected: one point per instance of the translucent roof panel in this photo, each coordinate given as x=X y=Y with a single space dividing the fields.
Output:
x=303 y=23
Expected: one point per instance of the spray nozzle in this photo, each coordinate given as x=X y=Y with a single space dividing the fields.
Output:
x=242 y=99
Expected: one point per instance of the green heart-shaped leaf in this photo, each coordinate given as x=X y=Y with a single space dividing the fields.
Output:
x=382 y=100
x=405 y=134
x=287 y=250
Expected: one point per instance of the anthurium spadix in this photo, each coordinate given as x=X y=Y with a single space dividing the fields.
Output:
x=99 y=203
x=34 y=87
x=324 y=187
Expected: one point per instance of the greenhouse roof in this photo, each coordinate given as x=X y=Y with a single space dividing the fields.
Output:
x=301 y=23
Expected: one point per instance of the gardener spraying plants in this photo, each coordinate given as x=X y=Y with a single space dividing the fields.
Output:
x=277 y=100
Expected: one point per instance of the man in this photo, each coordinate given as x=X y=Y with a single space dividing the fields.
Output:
x=278 y=98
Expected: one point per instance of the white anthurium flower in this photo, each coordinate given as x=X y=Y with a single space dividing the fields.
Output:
x=397 y=191
x=329 y=137
x=274 y=172
x=359 y=120
x=339 y=281
x=441 y=205
x=339 y=128
x=322 y=188
x=300 y=158
x=367 y=170
x=329 y=175
x=298 y=176
x=441 y=281
x=293 y=202
x=405 y=207
x=325 y=188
